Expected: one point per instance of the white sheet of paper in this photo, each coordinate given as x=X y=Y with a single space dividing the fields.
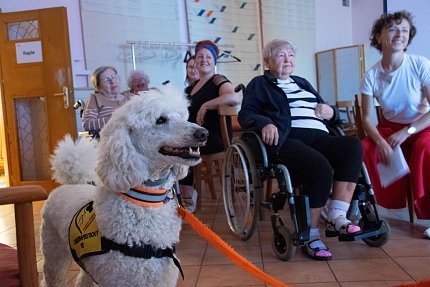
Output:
x=397 y=168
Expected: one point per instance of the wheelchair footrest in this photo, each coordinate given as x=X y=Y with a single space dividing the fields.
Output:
x=380 y=227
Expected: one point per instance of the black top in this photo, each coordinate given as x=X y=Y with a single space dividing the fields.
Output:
x=209 y=91
x=265 y=103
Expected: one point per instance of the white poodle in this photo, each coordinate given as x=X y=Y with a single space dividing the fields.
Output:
x=147 y=145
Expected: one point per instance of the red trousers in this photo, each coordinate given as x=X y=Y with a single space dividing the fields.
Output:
x=416 y=150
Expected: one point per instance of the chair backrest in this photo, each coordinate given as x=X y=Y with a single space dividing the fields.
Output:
x=358 y=115
x=347 y=107
x=225 y=111
x=22 y=197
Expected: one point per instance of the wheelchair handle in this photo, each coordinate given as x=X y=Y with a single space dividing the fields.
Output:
x=239 y=88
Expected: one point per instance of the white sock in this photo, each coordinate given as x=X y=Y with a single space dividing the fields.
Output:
x=337 y=208
x=314 y=233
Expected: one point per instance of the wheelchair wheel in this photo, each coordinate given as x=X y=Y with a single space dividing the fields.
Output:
x=379 y=240
x=241 y=199
x=282 y=243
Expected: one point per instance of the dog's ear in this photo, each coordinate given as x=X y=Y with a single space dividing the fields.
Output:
x=119 y=166
x=180 y=171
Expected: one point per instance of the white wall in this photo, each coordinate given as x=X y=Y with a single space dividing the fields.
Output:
x=336 y=26
x=364 y=13
x=333 y=25
x=420 y=9
x=75 y=31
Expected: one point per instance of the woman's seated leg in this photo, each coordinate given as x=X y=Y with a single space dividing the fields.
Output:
x=314 y=172
x=345 y=156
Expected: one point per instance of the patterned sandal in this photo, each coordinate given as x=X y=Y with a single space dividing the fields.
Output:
x=341 y=225
x=316 y=250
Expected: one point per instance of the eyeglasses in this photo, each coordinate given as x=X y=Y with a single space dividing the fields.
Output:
x=109 y=79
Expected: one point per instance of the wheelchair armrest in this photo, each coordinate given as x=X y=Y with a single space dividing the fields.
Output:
x=246 y=135
x=334 y=129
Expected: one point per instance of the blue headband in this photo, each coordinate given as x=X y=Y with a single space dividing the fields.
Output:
x=211 y=49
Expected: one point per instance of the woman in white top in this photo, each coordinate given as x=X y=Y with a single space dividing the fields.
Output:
x=401 y=84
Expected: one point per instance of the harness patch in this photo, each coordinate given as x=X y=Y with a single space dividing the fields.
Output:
x=84 y=234
x=85 y=239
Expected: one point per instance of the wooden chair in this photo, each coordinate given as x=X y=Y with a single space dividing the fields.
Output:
x=358 y=115
x=211 y=166
x=225 y=111
x=361 y=134
x=209 y=169
x=347 y=107
x=22 y=197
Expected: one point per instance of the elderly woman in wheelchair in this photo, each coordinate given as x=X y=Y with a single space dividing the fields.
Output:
x=292 y=118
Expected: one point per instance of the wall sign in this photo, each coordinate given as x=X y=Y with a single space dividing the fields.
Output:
x=28 y=52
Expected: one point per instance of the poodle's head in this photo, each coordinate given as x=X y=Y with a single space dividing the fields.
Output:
x=149 y=138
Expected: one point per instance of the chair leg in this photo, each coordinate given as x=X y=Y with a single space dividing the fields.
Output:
x=198 y=184
x=410 y=200
x=26 y=244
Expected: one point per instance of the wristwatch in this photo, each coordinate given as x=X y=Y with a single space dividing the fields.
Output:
x=411 y=130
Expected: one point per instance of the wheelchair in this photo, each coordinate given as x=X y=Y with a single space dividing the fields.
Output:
x=245 y=169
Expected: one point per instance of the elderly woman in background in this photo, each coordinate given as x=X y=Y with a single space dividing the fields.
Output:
x=205 y=95
x=138 y=81
x=192 y=73
x=401 y=84
x=292 y=118
x=104 y=101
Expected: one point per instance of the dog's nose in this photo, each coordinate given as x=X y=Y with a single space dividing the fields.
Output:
x=201 y=134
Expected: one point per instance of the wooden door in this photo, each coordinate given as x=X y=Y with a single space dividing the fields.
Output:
x=36 y=91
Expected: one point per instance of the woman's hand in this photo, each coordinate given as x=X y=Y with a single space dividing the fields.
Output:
x=324 y=111
x=200 y=119
x=398 y=138
x=385 y=150
x=270 y=134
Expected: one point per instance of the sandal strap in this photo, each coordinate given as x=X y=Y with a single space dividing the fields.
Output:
x=341 y=225
x=318 y=246
x=340 y=222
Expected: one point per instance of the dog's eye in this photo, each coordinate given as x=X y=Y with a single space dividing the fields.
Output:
x=161 y=120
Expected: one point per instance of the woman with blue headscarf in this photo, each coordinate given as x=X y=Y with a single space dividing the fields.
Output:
x=206 y=95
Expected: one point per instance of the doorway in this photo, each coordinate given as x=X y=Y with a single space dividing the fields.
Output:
x=37 y=92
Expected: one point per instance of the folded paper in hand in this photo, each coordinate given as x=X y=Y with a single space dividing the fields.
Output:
x=396 y=169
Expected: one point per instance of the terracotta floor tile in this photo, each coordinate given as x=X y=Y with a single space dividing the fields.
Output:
x=214 y=257
x=374 y=283
x=417 y=267
x=191 y=240
x=407 y=247
x=334 y=284
x=300 y=271
x=373 y=269
x=404 y=259
x=225 y=275
x=190 y=276
x=354 y=250
x=191 y=256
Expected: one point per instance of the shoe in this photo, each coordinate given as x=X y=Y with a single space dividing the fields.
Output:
x=427 y=233
x=191 y=202
x=341 y=225
x=316 y=250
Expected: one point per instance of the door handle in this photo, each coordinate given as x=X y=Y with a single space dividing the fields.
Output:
x=65 y=95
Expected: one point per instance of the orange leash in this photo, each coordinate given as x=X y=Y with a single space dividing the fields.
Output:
x=226 y=249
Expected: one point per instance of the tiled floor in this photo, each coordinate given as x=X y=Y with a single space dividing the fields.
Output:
x=404 y=259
